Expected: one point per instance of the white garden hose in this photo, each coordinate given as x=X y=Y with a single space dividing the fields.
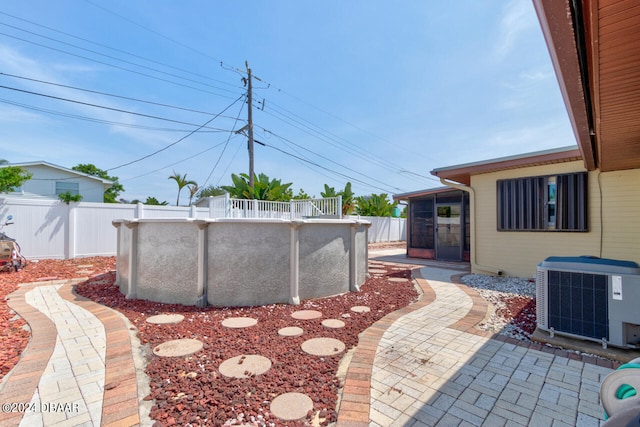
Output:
x=620 y=395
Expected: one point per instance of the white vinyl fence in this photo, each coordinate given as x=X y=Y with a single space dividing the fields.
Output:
x=385 y=229
x=52 y=229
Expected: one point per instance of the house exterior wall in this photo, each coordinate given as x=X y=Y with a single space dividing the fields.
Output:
x=44 y=179
x=517 y=253
x=621 y=214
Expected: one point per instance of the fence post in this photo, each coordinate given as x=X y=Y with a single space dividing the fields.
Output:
x=70 y=241
x=255 y=208
x=210 y=206
x=291 y=209
x=339 y=208
x=139 y=213
x=192 y=211
x=294 y=263
x=227 y=205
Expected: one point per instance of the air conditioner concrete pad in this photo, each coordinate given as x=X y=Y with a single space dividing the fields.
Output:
x=323 y=346
x=177 y=348
x=245 y=366
x=239 y=322
x=291 y=406
x=360 y=309
x=306 y=314
x=290 y=331
x=165 y=319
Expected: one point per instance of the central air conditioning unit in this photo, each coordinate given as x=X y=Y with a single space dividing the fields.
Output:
x=590 y=298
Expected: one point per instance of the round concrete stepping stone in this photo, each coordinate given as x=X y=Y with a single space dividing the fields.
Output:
x=177 y=348
x=239 y=322
x=333 y=323
x=397 y=279
x=290 y=331
x=360 y=309
x=323 y=346
x=165 y=319
x=306 y=314
x=291 y=406
x=245 y=366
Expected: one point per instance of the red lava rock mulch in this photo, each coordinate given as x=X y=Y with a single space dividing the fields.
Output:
x=190 y=390
x=13 y=335
x=522 y=312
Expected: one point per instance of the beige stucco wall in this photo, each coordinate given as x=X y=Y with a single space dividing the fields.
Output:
x=518 y=253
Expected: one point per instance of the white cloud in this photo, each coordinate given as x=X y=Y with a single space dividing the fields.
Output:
x=536 y=75
x=515 y=20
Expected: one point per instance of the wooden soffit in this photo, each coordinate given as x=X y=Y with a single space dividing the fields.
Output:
x=596 y=56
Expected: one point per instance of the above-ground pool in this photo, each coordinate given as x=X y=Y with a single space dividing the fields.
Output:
x=239 y=262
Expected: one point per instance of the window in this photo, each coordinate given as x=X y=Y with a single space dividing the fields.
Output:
x=551 y=202
x=543 y=203
x=64 y=186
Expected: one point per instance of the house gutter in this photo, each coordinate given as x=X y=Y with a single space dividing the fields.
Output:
x=472 y=204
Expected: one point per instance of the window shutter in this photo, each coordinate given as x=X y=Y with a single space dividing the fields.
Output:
x=571 y=204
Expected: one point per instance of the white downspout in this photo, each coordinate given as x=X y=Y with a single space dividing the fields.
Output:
x=472 y=204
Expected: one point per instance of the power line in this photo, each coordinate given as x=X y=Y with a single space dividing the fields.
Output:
x=176 y=142
x=128 y=98
x=225 y=146
x=327 y=158
x=119 y=110
x=118 y=67
x=118 y=50
x=175 y=163
x=325 y=168
x=102 y=121
x=331 y=137
x=152 y=31
x=113 y=57
x=334 y=141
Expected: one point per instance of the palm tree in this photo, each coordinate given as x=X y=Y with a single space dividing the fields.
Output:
x=193 y=189
x=182 y=182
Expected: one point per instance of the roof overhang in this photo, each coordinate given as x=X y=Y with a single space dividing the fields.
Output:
x=462 y=173
x=106 y=182
x=595 y=50
x=421 y=193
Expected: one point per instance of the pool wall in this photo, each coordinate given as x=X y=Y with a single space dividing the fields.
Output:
x=239 y=262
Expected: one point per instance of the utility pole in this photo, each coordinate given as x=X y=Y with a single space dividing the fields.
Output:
x=250 y=124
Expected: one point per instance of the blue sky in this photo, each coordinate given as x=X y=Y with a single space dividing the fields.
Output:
x=373 y=92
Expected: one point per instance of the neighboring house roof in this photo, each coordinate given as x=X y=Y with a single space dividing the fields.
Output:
x=462 y=173
x=595 y=51
x=106 y=182
x=420 y=193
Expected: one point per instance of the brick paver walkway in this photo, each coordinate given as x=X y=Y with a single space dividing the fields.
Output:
x=427 y=365
x=78 y=367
